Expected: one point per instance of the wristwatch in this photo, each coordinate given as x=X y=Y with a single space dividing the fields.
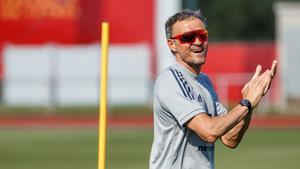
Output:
x=247 y=103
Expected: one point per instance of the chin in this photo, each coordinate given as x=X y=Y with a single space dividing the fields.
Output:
x=197 y=63
x=201 y=61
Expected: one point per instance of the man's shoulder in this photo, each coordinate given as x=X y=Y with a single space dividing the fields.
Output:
x=167 y=78
x=166 y=73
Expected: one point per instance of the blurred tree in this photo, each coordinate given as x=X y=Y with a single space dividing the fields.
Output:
x=232 y=20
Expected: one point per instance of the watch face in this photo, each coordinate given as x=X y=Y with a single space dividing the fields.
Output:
x=247 y=103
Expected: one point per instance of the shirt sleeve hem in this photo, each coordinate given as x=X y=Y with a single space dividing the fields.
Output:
x=189 y=116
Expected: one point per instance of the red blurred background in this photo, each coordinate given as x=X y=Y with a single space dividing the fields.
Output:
x=78 y=22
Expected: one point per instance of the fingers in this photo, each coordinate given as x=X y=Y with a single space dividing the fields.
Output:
x=254 y=77
x=257 y=72
x=257 y=86
x=272 y=74
x=261 y=81
x=268 y=81
x=266 y=78
x=274 y=68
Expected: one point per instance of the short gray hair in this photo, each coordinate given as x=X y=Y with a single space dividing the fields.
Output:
x=180 y=16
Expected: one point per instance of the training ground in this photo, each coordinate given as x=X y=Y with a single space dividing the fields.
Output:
x=71 y=143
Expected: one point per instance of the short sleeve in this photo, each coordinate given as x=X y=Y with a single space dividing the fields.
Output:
x=221 y=110
x=176 y=96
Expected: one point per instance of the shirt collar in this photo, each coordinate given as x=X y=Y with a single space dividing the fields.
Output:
x=185 y=70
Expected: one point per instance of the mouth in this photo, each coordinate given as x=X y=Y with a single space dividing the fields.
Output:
x=198 y=51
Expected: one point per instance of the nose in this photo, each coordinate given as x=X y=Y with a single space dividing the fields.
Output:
x=198 y=41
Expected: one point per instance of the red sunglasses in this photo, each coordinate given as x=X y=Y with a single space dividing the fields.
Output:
x=190 y=37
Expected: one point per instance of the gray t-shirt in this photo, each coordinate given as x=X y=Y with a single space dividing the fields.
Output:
x=179 y=95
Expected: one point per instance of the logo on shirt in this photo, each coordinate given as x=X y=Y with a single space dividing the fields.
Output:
x=199 y=98
x=206 y=148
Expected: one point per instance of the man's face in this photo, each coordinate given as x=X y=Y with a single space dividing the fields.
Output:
x=194 y=53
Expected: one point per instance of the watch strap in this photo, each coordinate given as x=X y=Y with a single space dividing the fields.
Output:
x=247 y=103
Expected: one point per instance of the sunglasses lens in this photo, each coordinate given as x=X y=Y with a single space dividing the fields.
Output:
x=203 y=37
x=188 y=37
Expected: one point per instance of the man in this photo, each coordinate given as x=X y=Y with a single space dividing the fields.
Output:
x=188 y=117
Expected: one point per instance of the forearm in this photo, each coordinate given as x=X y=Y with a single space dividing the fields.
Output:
x=233 y=137
x=233 y=125
x=226 y=123
x=212 y=128
x=253 y=91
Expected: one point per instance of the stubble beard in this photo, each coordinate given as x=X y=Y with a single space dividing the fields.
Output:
x=193 y=61
x=198 y=60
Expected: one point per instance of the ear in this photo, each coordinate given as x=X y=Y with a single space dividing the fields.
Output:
x=172 y=45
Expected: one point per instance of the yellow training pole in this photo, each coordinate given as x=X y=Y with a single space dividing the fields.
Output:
x=102 y=100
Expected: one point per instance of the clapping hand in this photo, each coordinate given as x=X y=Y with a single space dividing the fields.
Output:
x=259 y=84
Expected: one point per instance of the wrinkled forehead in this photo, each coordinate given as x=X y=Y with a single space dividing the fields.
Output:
x=187 y=25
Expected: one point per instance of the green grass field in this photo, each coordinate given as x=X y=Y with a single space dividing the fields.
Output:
x=130 y=148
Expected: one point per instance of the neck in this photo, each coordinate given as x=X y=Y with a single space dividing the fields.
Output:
x=194 y=68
